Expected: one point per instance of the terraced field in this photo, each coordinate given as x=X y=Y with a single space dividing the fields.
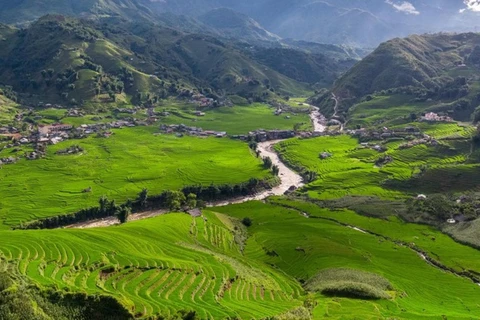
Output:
x=351 y=170
x=158 y=266
x=7 y=110
x=237 y=119
x=219 y=268
x=119 y=167
x=307 y=245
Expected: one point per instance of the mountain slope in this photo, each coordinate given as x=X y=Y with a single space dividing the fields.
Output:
x=236 y=25
x=30 y=10
x=70 y=61
x=430 y=73
x=363 y=23
x=412 y=61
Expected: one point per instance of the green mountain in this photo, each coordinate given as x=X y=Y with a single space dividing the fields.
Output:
x=236 y=25
x=440 y=69
x=65 y=60
x=30 y=10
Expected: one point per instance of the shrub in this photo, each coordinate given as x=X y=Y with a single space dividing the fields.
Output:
x=247 y=222
x=350 y=283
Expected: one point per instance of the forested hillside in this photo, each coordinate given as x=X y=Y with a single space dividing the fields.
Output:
x=440 y=69
x=69 y=61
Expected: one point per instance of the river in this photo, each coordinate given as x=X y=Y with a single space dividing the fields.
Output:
x=288 y=177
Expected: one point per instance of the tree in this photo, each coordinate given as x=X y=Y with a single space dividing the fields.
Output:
x=143 y=197
x=175 y=200
x=275 y=170
x=310 y=176
x=103 y=203
x=247 y=222
x=192 y=201
x=267 y=162
x=123 y=213
x=253 y=145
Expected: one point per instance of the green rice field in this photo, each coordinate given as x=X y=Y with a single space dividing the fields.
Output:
x=352 y=171
x=237 y=119
x=221 y=269
x=119 y=167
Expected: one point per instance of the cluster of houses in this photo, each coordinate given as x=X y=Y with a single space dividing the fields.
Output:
x=375 y=147
x=267 y=135
x=181 y=129
x=75 y=113
x=386 y=133
x=8 y=130
x=429 y=141
x=201 y=100
x=9 y=160
x=433 y=117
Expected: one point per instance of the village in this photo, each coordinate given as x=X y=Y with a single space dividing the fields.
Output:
x=39 y=137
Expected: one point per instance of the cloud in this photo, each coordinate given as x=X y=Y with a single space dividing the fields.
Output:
x=405 y=7
x=472 y=5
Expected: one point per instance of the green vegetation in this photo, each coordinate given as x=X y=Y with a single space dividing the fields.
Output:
x=114 y=62
x=351 y=170
x=350 y=283
x=302 y=247
x=157 y=267
x=21 y=299
x=120 y=167
x=236 y=120
x=178 y=263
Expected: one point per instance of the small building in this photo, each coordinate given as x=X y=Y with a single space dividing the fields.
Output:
x=421 y=197
x=195 y=212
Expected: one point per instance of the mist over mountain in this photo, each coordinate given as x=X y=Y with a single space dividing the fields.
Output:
x=363 y=23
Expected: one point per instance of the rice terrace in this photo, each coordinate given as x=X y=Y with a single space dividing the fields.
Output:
x=270 y=160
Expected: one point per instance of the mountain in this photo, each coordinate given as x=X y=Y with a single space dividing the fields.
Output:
x=440 y=71
x=30 y=10
x=363 y=23
x=412 y=61
x=66 y=60
x=236 y=25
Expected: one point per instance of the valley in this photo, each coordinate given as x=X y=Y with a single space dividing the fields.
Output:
x=186 y=160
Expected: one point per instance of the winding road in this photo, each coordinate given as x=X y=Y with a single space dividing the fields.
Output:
x=288 y=178
x=335 y=112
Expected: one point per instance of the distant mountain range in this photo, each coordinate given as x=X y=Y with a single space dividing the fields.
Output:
x=363 y=23
x=76 y=61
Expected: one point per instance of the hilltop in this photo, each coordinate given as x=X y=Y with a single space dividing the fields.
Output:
x=236 y=25
x=441 y=70
x=65 y=60
x=357 y=23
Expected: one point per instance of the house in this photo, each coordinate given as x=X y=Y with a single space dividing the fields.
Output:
x=433 y=117
x=325 y=155
x=199 y=113
x=421 y=197
x=195 y=212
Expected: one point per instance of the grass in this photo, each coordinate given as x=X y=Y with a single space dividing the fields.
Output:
x=236 y=120
x=308 y=246
x=175 y=262
x=119 y=167
x=382 y=110
x=156 y=267
x=351 y=170
x=350 y=283
x=8 y=109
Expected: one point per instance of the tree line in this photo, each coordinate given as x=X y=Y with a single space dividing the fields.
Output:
x=185 y=199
